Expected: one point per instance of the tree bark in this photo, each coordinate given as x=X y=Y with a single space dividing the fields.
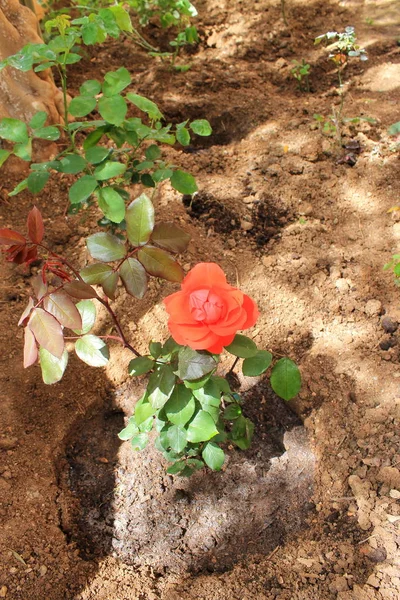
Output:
x=24 y=94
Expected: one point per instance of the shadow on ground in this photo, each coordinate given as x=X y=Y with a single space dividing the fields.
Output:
x=121 y=503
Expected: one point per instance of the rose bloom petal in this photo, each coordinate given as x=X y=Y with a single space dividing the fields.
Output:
x=207 y=312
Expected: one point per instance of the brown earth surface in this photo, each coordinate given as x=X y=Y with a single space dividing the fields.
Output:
x=311 y=511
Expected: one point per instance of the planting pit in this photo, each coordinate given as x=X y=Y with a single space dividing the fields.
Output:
x=119 y=502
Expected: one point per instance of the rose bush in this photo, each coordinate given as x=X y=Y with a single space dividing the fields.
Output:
x=207 y=312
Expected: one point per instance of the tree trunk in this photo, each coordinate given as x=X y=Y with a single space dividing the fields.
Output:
x=24 y=94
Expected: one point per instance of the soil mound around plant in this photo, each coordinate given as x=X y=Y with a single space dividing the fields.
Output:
x=120 y=502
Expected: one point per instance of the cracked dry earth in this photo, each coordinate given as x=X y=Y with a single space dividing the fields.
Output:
x=312 y=511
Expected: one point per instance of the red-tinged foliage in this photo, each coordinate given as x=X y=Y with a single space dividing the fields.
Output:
x=35 y=226
x=30 y=348
x=80 y=289
x=9 y=236
x=55 y=266
x=47 y=331
x=17 y=253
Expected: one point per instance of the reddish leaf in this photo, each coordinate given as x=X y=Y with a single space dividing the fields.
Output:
x=39 y=288
x=35 y=226
x=30 y=348
x=109 y=284
x=26 y=312
x=17 y=254
x=63 y=309
x=134 y=277
x=159 y=263
x=9 y=236
x=47 y=331
x=171 y=237
x=79 y=289
x=31 y=255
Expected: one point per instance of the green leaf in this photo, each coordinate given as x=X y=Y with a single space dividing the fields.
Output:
x=182 y=135
x=193 y=364
x=143 y=410
x=201 y=127
x=180 y=406
x=209 y=397
x=109 y=169
x=242 y=432
x=24 y=151
x=242 y=346
x=232 y=412
x=13 y=130
x=82 y=189
x=109 y=284
x=87 y=310
x=129 y=431
x=202 y=428
x=22 y=185
x=139 y=442
x=257 y=364
x=394 y=129
x=183 y=182
x=146 y=106
x=96 y=273
x=155 y=349
x=37 y=181
x=92 y=351
x=53 y=368
x=94 y=137
x=147 y=180
x=221 y=384
x=4 y=154
x=134 y=277
x=105 y=247
x=170 y=347
x=122 y=17
x=113 y=109
x=38 y=120
x=72 y=164
x=171 y=237
x=153 y=152
x=91 y=87
x=96 y=154
x=47 y=133
x=213 y=456
x=177 y=467
x=159 y=263
x=161 y=385
x=177 y=438
x=80 y=106
x=196 y=384
x=162 y=174
x=116 y=81
x=140 y=366
x=286 y=379
x=140 y=220
x=112 y=204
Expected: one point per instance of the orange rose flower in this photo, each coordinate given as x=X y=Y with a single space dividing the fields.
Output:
x=207 y=312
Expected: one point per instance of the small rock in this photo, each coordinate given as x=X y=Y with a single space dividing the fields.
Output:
x=8 y=443
x=342 y=285
x=389 y=324
x=246 y=225
x=268 y=261
x=6 y=474
x=386 y=344
x=296 y=169
x=43 y=570
x=249 y=199
x=377 y=555
x=306 y=210
x=186 y=267
x=3 y=591
x=273 y=170
x=280 y=63
x=373 y=308
x=391 y=476
x=394 y=494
